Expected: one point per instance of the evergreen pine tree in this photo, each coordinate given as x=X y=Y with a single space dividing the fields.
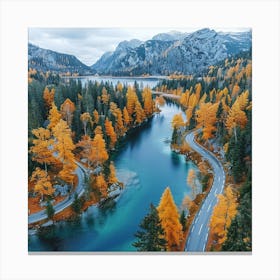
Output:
x=150 y=237
x=50 y=210
x=183 y=220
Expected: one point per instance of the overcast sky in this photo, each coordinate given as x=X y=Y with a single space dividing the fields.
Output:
x=88 y=44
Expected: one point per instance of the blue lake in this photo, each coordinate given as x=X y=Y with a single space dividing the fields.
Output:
x=129 y=81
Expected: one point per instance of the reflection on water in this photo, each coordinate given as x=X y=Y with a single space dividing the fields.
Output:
x=129 y=81
x=146 y=165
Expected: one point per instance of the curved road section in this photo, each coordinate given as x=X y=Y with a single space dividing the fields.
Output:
x=41 y=215
x=199 y=229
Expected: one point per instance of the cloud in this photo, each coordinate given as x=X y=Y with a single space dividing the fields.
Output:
x=87 y=44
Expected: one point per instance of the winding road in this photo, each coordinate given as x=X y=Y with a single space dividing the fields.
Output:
x=41 y=215
x=199 y=230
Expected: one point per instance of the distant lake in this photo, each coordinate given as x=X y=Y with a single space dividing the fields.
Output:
x=129 y=81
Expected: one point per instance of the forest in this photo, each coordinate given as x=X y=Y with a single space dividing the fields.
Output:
x=219 y=104
x=71 y=124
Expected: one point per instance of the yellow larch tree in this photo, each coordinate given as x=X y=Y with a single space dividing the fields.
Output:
x=117 y=113
x=110 y=133
x=41 y=149
x=95 y=117
x=98 y=130
x=67 y=109
x=191 y=105
x=54 y=117
x=242 y=100
x=42 y=183
x=98 y=152
x=206 y=119
x=64 y=147
x=148 y=101
x=169 y=217
x=178 y=121
x=105 y=96
x=112 y=178
x=126 y=118
x=48 y=97
x=139 y=113
x=236 y=117
x=223 y=213
x=131 y=99
x=101 y=185
x=85 y=144
x=198 y=88
x=235 y=90
x=119 y=125
x=202 y=99
x=185 y=98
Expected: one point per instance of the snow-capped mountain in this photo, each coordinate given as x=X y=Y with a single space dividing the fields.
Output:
x=48 y=60
x=170 y=36
x=173 y=52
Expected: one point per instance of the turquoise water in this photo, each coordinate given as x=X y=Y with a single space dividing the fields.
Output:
x=129 y=81
x=146 y=165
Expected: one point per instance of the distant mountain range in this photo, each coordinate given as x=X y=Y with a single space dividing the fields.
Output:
x=164 y=54
x=47 y=60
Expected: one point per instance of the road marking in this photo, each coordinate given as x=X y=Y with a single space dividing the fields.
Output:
x=209 y=207
x=204 y=247
x=216 y=191
x=192 y=229
x=200 y=229
x=195 y=221
x=206 y=237
x=199 y=213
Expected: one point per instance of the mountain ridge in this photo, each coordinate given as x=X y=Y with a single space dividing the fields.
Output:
x=47 y=60
x=163 y=54
x=187 y=53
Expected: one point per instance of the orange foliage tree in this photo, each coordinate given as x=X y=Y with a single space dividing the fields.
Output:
x=126 y=118
x=101 y=185
x=111 y=133
x=236 y=117
x=67 y=109
x=148 y=101
x=178 y=121
x=54 y=117
x=48 y=97
x=169 y=216
x=112 y=179
x=98 y=152
x=206 y=119
x=95 y=117
x=139 y=113
x=64 y=147
x=223 y=213
x=41 y=149
x=42 y=184
x=192 y=102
